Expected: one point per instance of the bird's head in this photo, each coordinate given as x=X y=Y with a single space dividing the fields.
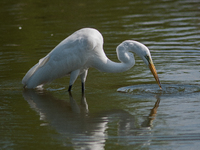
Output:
x=143 y=52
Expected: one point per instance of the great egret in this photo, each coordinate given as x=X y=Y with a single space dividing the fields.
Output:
x=80 y=51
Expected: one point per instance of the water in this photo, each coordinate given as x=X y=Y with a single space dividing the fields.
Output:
x=167 y=89
x=118 y=111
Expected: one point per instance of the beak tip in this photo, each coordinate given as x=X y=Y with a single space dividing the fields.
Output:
x=159 y=85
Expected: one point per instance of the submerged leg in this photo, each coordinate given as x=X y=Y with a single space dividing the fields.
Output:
x=69 y=89
x=83 y=79
x=83 y=87
x=73 y=77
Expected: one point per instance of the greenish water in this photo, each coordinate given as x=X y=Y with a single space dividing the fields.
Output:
x=119 y=111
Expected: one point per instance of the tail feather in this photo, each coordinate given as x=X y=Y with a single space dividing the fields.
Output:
x=26 y=81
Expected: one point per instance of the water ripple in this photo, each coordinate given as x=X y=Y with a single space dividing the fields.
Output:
x=167 y=89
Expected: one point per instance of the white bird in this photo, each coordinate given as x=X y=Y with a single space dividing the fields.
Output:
x=80 y=51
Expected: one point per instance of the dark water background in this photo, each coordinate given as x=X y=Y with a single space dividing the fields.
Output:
x=138 y=115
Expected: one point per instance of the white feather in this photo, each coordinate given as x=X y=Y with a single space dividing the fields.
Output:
x=78 y=52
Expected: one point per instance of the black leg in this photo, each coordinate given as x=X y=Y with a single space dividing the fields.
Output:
x=70 y=87
x=70 y=94
x=83 y=87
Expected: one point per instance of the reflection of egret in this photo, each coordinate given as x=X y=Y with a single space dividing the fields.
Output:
x=85 y=130
x=80 y=51
x=148 y=122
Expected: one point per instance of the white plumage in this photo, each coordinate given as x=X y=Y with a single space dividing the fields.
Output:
x=80 y=51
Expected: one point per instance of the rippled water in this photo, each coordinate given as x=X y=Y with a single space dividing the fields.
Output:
x=118 y=111
x=167 y=89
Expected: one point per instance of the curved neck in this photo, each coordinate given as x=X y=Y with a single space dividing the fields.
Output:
x=106 y=65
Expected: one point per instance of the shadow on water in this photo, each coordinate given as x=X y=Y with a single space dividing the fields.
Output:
x=84 y=130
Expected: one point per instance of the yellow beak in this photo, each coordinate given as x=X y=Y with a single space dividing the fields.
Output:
x=154 y=72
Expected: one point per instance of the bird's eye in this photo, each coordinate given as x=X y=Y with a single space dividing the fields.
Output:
x=147 y=57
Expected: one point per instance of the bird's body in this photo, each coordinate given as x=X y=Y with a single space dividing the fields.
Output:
x=77 y=53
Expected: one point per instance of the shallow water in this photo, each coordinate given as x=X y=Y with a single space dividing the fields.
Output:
x=118 y=111
x=167 y=89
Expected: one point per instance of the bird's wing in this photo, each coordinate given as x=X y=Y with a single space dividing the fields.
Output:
x=71 y=54
x=58 y=63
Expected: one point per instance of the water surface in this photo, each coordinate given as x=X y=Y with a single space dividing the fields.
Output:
x=118 y=111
